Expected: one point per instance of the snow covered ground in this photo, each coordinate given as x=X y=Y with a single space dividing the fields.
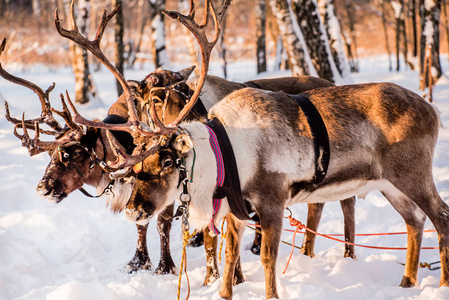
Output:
x=77 y=249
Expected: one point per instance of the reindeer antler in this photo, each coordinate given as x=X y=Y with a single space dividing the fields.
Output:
x=133 y=124
x=93 y=46
x=206 y=46
x=63 y=134
x=46 y=113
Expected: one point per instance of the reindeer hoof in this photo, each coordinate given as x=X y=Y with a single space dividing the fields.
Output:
x=211 y=278
x=197 y=240
x=351 y=255
x=407 y=282
x=137 y=264
x=306 y=251
x=165 y=268
x=255 y=249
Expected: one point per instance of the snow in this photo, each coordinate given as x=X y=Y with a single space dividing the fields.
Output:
x=77 y=249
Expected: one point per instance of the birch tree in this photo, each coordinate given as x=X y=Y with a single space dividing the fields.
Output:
x=189 y=39
x=118 y=45
x=350 y=38
x=412 y=14
x=429 y=11
x=333 y=31
x=261 y=49
x=385 y=29
x=292 y=40
x=84 y=86
x=160 y=56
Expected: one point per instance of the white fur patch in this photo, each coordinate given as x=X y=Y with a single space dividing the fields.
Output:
x=120 y=193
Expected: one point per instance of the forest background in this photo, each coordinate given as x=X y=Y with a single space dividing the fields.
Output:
x=326 y=38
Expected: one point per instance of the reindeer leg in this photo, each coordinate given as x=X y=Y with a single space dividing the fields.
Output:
x=438 y=212
x=414 y=219
x=166 y=264
x=210 y=245
x=313 y=219
x=271 y=226
x=141 y=259
x=235 y=229
x=347 y=206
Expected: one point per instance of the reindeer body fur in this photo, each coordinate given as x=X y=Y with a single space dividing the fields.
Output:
x=381 y=137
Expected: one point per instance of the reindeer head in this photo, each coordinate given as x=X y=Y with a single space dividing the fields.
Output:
x=161 y=176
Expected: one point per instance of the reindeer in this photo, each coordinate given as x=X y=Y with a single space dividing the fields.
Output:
x=354 y=138
x=381 y=137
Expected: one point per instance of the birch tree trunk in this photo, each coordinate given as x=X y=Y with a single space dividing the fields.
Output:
x=189 y=38
x=222 y=49
x=261 y=49
x=412 y=12
x=351 y=38
x=446 y=23
x=307 y=14
x=157 y=18
x=118 y=45
x=290 y=39
x=385 y=29
x=333 y=31
x=429 y=11
x=84 y=87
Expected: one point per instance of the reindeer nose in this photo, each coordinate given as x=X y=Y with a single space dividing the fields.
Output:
x=44 y=187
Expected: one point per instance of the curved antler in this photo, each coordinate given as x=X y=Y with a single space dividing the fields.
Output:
x=94 y=47
x=46 y=113
x=206 y=46
x=63 y=134
x=133 y=124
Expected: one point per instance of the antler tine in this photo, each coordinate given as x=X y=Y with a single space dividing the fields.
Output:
x=65 y=113
x=94 y=47
x=27 y=142
x=123 y=160
x=30 y=124
x=35 y=145
x=46 y=115
x=206 y=46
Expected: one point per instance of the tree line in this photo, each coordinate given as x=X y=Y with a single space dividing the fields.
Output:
x=311 y=37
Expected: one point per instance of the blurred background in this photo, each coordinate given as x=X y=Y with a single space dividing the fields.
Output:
x=325 y=38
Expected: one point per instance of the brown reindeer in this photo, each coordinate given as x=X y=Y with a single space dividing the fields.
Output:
x=381 y=137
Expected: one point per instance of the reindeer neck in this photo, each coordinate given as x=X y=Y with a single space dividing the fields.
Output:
x=203 y=179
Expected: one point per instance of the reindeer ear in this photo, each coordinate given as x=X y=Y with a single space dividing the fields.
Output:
x=152 y=80
x=183 y=143
x=185 y=73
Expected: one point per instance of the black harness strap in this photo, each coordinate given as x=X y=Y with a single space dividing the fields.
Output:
x=200 y=109
x=231 y=186
x=319 y=134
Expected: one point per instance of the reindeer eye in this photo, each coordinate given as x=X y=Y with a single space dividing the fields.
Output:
x=77 y=153
x=168 y=163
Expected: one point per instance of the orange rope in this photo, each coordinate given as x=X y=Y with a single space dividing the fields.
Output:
x=299 y=226
x=185 y=241
x=358 y=234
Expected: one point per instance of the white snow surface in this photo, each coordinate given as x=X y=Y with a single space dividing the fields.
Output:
x=77 y=249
